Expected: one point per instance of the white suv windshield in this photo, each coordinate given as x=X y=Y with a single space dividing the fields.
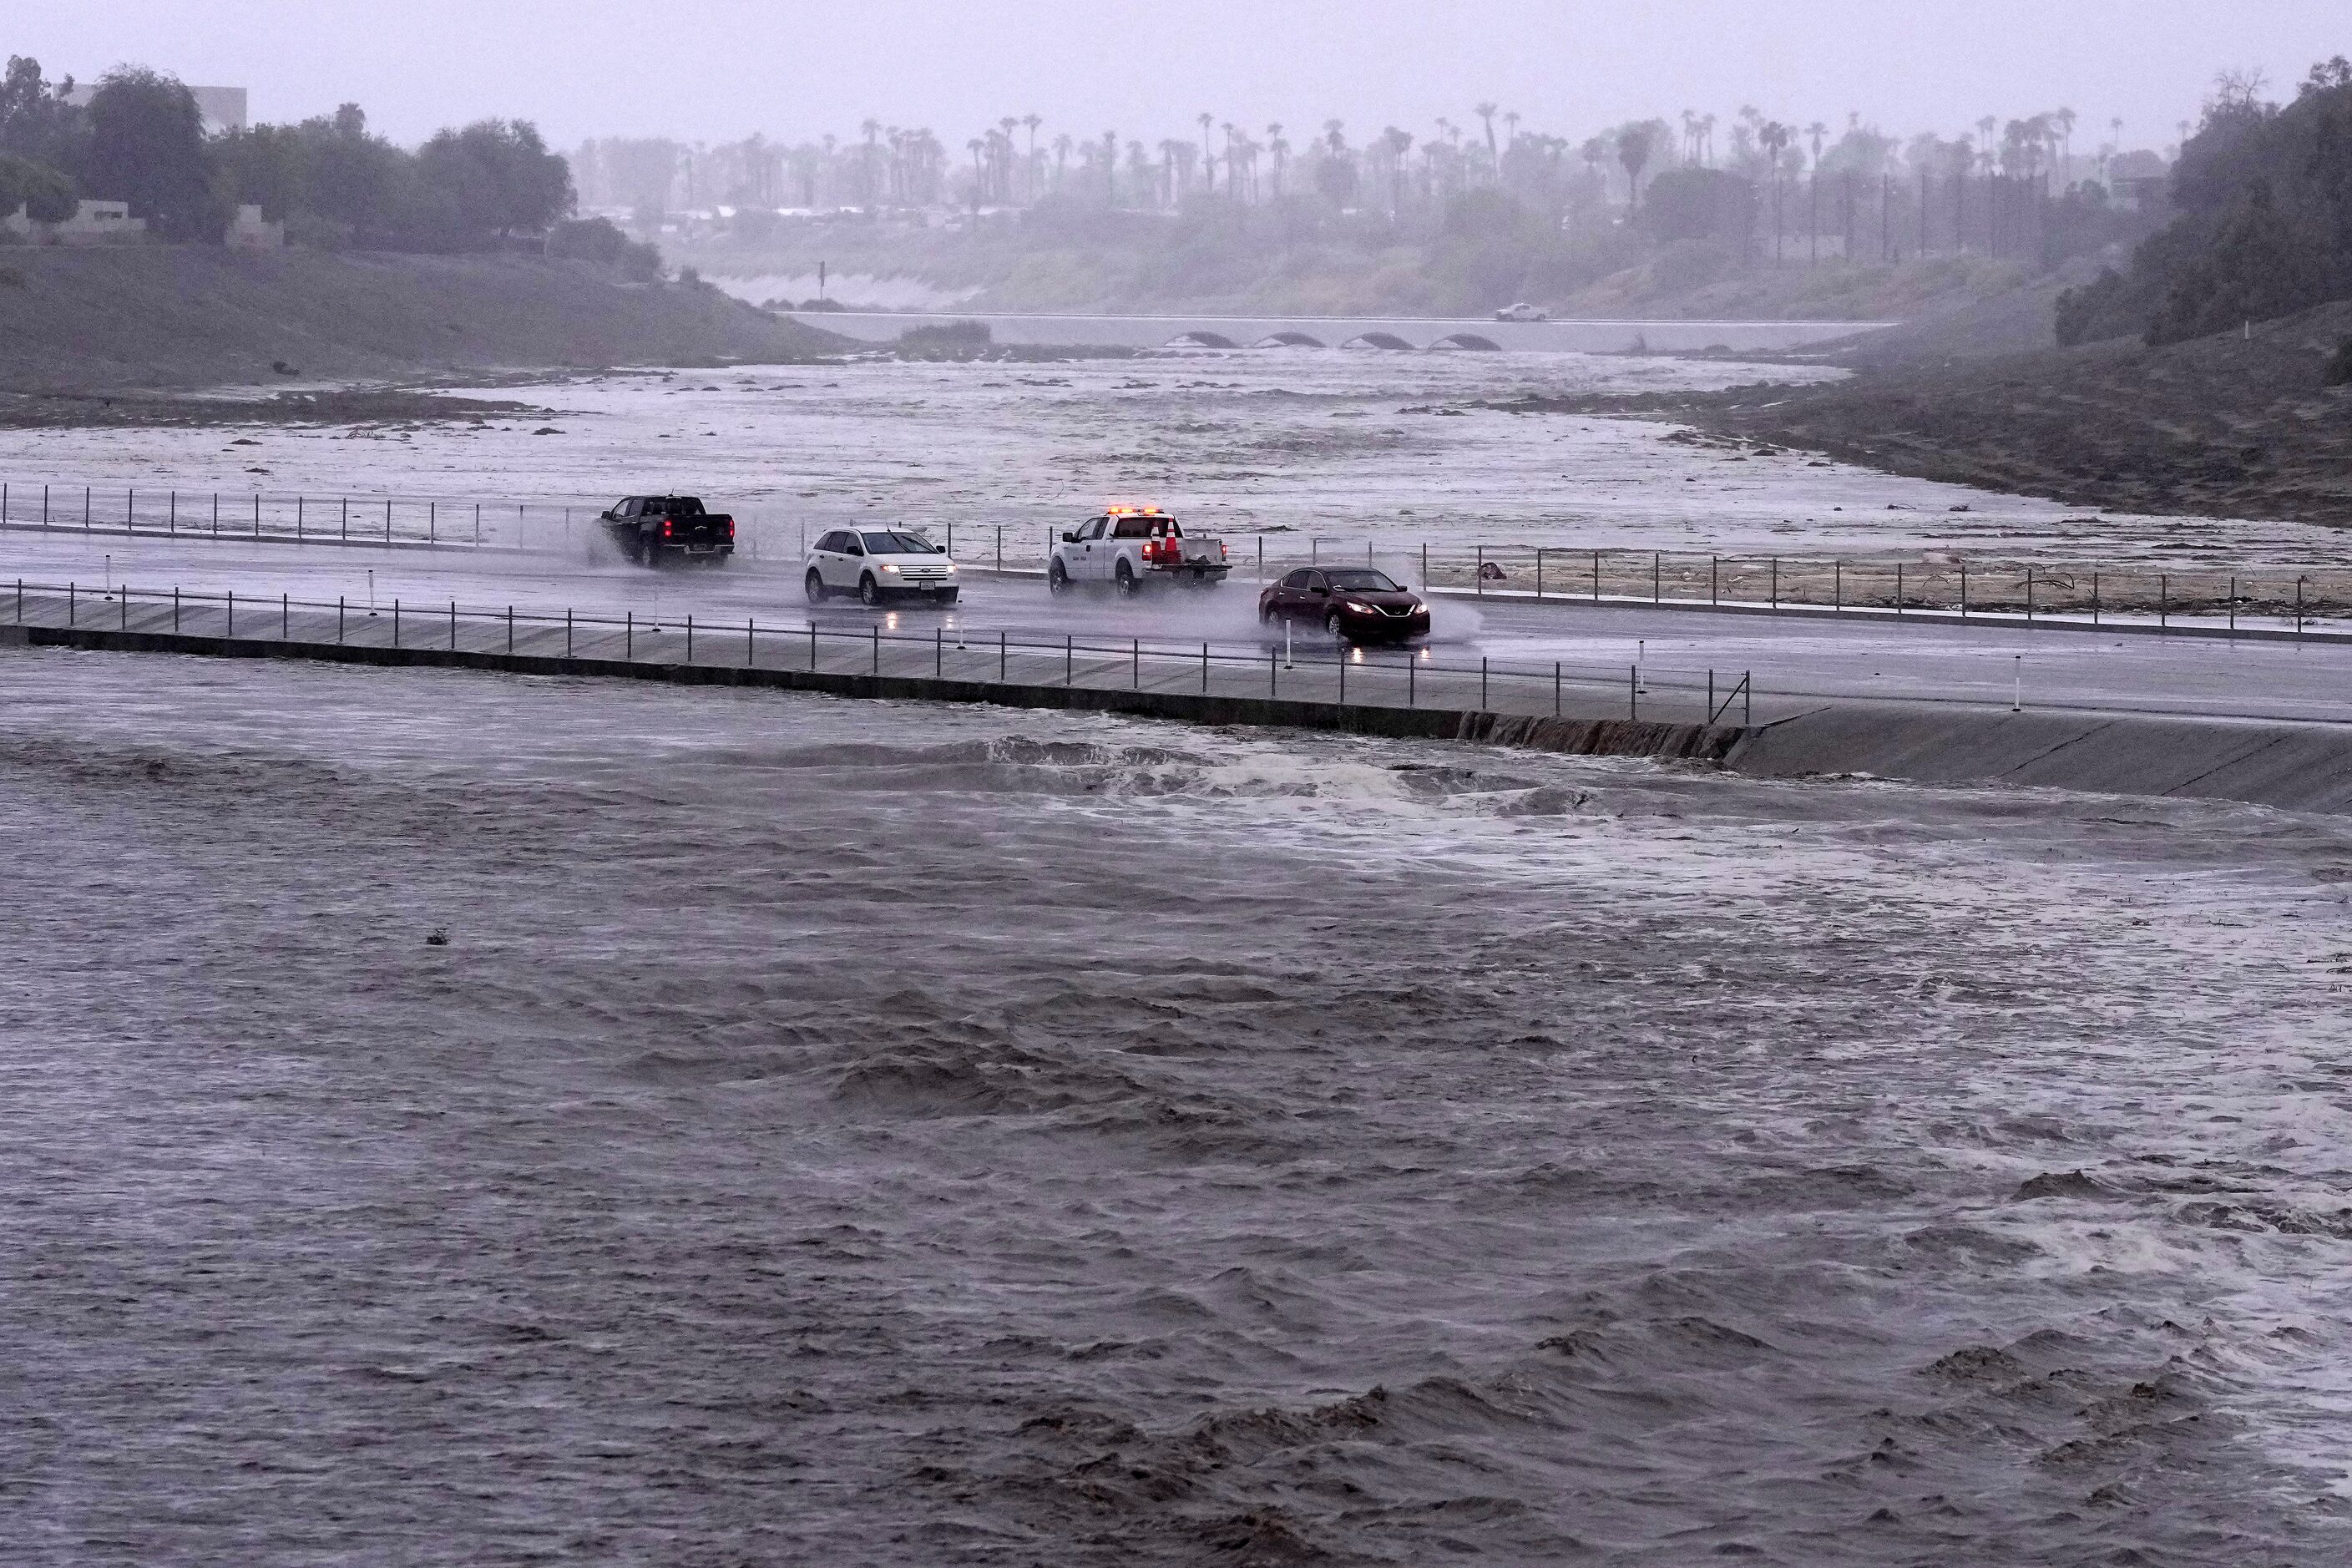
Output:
x=894 y=543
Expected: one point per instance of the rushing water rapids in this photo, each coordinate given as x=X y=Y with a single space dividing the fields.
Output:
x=856 y=1132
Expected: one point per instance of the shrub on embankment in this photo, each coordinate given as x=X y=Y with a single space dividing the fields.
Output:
x=183 y=316
x=2265 y=224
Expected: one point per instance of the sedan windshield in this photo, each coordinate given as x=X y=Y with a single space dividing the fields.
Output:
x=894 y=543
x=1363 y=579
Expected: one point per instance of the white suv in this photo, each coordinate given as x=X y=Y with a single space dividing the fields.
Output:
x=1523 y=311
x=879 y=563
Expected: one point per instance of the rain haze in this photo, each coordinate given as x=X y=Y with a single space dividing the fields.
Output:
x=1176 y=784
x=791 y=70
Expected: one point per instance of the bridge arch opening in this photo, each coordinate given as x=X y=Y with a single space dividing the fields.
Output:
x=1288 y=341
x=1376 y=341
x=1467 y=340
x=1201 y=340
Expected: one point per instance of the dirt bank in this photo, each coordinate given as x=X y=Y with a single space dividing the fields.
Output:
x=2238 y=425
x=176 y=316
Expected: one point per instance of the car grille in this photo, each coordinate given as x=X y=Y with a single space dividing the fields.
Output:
x=922 y=573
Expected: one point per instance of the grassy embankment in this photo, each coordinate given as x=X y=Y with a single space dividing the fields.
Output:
x=170 y=315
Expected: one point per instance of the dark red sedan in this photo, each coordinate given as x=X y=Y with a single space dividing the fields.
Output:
x=1354 y=604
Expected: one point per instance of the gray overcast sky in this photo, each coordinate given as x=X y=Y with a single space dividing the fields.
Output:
x=713 y=70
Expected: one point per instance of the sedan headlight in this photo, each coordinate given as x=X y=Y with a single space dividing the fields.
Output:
x=950 y=565
x=1354 y=608
x=889 y=566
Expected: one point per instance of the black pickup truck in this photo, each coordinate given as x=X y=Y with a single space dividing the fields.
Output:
x=650 y=528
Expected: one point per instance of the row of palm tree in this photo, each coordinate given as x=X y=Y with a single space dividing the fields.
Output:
x=1012 y=164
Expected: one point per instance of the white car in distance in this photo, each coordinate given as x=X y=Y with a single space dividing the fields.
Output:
x=1523 y=311
x=880 y=565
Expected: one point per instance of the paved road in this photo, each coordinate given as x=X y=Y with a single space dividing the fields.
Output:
x=1791 y=658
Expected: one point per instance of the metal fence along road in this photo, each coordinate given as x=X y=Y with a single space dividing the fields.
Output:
x=1366 y=678
x=1928 y=583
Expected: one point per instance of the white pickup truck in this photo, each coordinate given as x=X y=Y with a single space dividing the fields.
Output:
x=1131 y=547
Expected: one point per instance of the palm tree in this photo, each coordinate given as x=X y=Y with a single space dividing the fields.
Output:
x=1398 y=143
x=1772 y=136
x=1062 y=145
x=1033 y=122
x=1111 y=168
x=976 y=175
x=1707 y=139
x=1634 y=152
x=1817 y=131
x=1485 y=111
x=1281 y=151
x=2063 y=120
x=1208 y=164
x=872 y=127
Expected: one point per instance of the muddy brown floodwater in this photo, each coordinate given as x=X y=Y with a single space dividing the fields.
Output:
x=838 y=1132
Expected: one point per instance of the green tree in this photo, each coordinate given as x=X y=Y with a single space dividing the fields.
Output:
x=47 y=195
x=493 y=180
x=147 y=147
x=37 y=118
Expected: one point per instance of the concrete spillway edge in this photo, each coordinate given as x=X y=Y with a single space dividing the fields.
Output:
x=1581 y=736
x=2296 y=767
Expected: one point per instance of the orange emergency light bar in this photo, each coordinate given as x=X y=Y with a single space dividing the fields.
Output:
x=1131 y=512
